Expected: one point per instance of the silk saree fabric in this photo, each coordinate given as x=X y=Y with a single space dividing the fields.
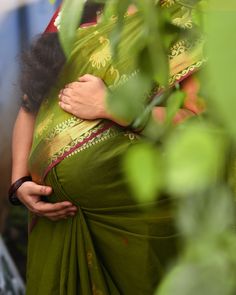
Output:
x=113 y=245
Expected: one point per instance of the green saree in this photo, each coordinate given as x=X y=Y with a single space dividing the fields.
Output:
x=113 y=245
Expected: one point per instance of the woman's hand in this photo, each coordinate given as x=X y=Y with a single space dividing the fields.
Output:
x=29 y=193
x=85 y=98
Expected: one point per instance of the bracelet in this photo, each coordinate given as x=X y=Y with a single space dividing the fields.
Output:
x=12 y=197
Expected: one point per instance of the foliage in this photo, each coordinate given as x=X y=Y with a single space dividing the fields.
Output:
x=190 y=162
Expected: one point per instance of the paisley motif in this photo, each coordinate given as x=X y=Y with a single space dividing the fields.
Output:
x=100 y=58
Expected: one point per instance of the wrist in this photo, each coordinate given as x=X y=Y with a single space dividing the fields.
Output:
x=12 y=193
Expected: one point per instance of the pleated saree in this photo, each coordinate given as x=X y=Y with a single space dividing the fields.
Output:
x=113 y=245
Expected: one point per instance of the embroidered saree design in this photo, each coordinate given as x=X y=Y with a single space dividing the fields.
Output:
x=113 y=245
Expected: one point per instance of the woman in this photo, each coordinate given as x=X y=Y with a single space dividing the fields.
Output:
x=112 y=245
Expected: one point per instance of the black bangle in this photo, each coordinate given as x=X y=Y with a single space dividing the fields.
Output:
x=12 y=197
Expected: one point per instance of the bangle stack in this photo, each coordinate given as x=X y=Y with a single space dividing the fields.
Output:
x=12 y=197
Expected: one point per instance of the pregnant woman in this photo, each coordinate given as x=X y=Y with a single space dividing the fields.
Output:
x=112 y=245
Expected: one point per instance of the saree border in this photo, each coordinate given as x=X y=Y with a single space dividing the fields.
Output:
x=82 y=141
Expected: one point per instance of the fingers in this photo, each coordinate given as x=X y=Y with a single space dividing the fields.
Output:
x=30 y=194
x=73 y=85
x=65 y=99
x=87 y=78
x=66 y=107
x=60 y=214
x=67 y=92
x=41 y=190
x=55 y=211
x=44 y=207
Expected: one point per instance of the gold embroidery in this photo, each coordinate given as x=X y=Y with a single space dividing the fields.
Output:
x=167 y=3
x=99 y=138
x=71 y=122
x=67 y=139
x=100 y=58
x=184 y=58
x=123 y=79
x=178 y=48
x=43 y=126
x=115 y=72
x=193 y=67
x=184 y=21
x=132 y=136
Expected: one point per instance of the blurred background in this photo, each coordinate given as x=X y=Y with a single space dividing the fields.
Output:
x=20 y=21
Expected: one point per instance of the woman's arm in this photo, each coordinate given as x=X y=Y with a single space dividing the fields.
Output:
x=29 y=193
x=86 y=99
x=21 y=143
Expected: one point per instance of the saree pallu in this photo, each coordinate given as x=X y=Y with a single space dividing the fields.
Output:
x=113 y=245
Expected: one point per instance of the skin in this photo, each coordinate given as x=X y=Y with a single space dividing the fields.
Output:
x=86 y=94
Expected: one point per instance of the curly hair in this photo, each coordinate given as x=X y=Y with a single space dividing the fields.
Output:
x=42 y=63
x=41 y=66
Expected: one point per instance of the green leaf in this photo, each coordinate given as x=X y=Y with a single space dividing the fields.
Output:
x=221 y=44
x=127 y=101
x=211 y=276
x=194 y=158
x=153 y=58
x=70 y=17
x=119 y=9
x=207 y=215
x=52 y=1
x=174 y=103
x=143 y=170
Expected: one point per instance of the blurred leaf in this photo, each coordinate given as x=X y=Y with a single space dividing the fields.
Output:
x=126 y=106
x=119 y=9
x=153 y=58
x=207 y=215
x=52 y=1
x=144 y=171
x=174 y=102
x=209 y=276
x=194 y=157
x=71 y=15
x=207 y=266
x=222 y=65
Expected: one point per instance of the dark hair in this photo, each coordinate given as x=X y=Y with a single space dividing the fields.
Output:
x=41 y=66
x=43 y=62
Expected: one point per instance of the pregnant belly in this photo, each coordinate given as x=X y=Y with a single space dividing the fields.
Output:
x=92 y=176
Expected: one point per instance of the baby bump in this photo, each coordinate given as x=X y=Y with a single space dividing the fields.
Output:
x=92 y=176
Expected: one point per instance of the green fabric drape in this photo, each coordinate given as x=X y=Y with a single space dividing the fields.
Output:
x=113 y=245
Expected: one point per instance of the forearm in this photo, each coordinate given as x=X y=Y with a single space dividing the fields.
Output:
x=21 y=143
